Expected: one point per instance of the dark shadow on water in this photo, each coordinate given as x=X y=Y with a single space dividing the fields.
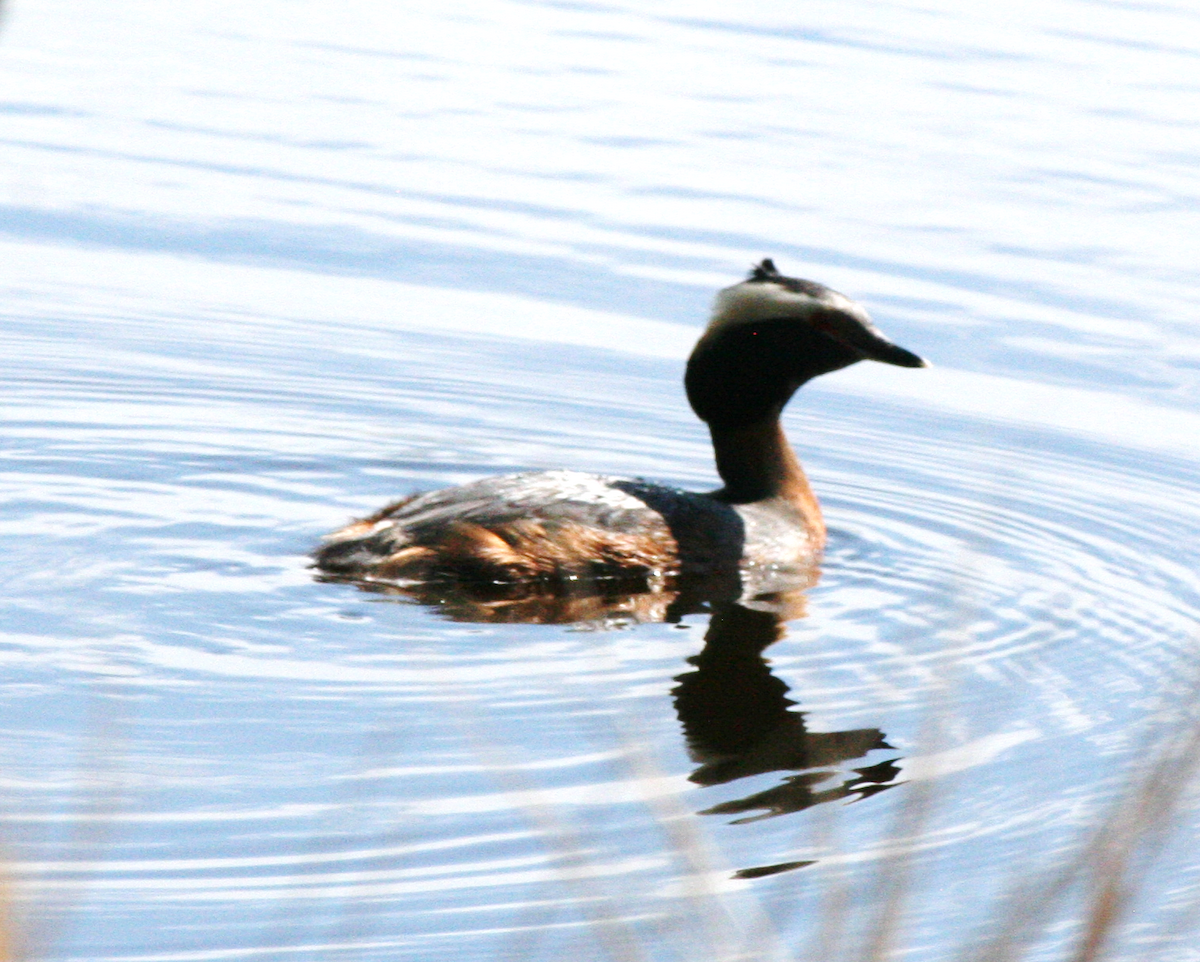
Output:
x=736 y=717
x=738 y=723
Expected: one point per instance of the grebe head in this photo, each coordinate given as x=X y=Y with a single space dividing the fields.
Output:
x=769 y=335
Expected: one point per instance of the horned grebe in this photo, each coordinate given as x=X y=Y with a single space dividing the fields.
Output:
x=561 y=530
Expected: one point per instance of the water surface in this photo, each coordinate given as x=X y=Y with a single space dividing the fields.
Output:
x=266 y=269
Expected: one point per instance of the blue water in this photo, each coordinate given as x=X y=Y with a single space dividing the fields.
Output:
x=266 y=268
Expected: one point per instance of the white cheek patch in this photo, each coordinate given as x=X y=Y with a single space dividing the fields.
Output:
x=748 y=302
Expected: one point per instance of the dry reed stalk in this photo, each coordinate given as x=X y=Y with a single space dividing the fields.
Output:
x=615 y=937
x=895 y=882
x=9 y=937
x=698 y=862
x=1113 y=863
x=1136 y=832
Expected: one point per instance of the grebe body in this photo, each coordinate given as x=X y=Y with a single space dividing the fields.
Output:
x=767 y=336
x=567 y=526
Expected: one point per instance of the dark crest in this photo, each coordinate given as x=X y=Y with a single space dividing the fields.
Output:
x=765 y=271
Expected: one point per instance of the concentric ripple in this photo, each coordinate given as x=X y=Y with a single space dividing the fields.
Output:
x=225 y=752
x=268 y=266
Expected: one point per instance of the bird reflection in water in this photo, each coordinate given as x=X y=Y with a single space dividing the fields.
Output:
x=737 y=719
x=738 y=722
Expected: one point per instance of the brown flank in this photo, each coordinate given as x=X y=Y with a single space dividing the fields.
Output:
x=527 y=549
